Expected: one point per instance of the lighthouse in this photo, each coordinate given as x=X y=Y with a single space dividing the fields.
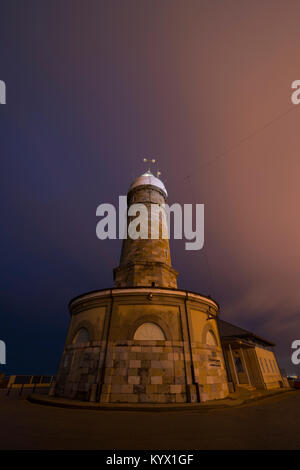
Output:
x=144 y=340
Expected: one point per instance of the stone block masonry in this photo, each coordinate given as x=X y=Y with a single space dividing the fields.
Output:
x=136 y=372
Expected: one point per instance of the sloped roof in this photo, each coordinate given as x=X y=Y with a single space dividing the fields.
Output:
x=228 y=330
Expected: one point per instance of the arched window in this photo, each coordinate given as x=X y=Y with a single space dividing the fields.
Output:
x=149 y=331
x=211 y=339
x=82 y=336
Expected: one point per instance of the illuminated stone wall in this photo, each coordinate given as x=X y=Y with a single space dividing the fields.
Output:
x=114 y=368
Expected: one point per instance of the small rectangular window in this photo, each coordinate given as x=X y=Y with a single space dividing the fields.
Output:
x=262 y=365
x=238 y=364
x=267 y=365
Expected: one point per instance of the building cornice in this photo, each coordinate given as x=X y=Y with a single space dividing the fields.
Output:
x=121 y=291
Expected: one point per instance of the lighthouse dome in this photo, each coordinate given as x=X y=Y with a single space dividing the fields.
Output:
x=149 y=179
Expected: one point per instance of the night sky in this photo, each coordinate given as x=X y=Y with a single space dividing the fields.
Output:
x=92 y=86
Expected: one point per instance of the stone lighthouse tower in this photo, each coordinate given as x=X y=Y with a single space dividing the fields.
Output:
x=145 y=340
x=147 y=262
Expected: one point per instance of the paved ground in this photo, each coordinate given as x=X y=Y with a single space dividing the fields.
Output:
x=272 y=423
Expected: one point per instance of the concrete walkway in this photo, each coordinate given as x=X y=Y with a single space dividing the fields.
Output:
x=240 y=397
x=271 y=423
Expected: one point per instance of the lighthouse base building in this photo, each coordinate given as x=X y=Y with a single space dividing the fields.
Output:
x=142 y=345
x=145 y=340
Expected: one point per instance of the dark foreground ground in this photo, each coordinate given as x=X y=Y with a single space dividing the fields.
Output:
x=272 y=423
